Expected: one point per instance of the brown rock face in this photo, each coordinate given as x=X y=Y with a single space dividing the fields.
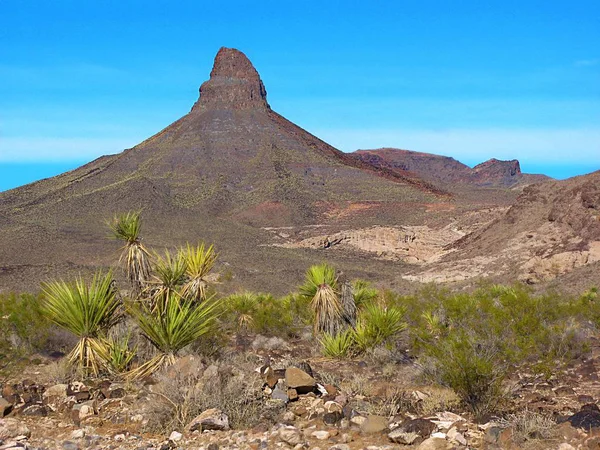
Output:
x=234 y=84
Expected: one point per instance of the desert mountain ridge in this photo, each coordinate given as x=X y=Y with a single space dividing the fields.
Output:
x=445 y=170
x=272 y=197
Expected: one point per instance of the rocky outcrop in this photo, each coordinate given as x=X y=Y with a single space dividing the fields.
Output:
x=234 y=84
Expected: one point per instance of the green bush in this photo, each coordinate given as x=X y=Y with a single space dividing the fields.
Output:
x=378 y=325
x=24 y=327
x=265 y=314
x=471 y=340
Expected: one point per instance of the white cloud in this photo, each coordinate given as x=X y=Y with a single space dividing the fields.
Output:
x=16 y=149
x=476 y=145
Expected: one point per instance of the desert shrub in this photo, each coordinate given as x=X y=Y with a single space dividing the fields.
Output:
x=179 y=397
x=469 y=341
x=265 y=314
x=531 y=426
x=472 y=369
x=24 y=327
x=120 y=351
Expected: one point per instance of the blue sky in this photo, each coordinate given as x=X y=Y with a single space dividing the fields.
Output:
x=468 y=79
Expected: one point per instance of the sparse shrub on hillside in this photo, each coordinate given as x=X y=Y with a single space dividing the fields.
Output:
x=87 y=311
x=179 y=397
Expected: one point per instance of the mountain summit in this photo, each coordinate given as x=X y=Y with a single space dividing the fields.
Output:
x=234 y=84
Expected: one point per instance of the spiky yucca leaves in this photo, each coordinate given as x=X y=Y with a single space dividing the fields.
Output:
x=87 y=311
x=377 y=324
x=169 y=271
x=338 y=345
x=182 y=322
x=363 y=292
x=119 y=353
x=244 y=308
x=321 y=287
x=199 y=262
x=134 y=257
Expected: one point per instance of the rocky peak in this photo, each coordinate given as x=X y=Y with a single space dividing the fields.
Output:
x=496 y=167
x=234 y=84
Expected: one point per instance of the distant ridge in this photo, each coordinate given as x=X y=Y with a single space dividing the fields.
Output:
x=443 y=170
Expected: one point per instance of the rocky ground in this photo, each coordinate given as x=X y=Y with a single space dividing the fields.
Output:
x=271 y=396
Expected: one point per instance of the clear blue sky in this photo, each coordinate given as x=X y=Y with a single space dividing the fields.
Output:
x=468 y=79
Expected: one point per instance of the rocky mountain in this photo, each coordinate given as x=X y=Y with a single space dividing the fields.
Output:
x=551 y=233
x=443 y=170
x=222 y=172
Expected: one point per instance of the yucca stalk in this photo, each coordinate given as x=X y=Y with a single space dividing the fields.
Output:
x=182 y=322
x=199 y=262
x=134 y=257
x=167 y=279
x=321 y=287
x=87 y=311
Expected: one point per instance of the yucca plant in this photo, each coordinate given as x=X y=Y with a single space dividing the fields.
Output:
x=199 y=261
x=243 y=307
x=134 y=257
x=337 y=345
x=169 y=271
x=181 y=323
x=87 y=311
x=119 y=353
x=377 y=325
x=321 y=287
x=363 y=292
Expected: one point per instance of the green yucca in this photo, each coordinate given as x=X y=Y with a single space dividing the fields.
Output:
x=199 y=262
x=169 y=271
x=363 y=292
x=377 y=325
x=134 y=257
x=119 y=353
x=87 y=311
x=244 y=308
x=181 y=323
x=321 y=287
x=337 y=345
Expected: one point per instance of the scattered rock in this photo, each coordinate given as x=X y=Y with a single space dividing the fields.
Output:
x=588 y=417
x=402 y=437
x=175 y=436
x=11 y=428
x=435 y=443
x=211 y=419
x=290 y=435
x=299 y=380
x=5 y=407
x=374 y=424
x=321 y=435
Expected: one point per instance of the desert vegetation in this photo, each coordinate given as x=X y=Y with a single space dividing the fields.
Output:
x=466 y=349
